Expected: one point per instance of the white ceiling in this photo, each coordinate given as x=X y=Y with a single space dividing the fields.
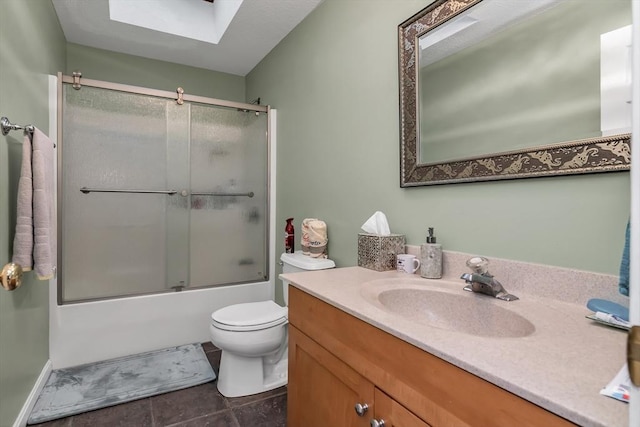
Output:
x=257 y=27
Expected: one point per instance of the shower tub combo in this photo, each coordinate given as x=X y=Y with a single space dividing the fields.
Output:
x=165 y=212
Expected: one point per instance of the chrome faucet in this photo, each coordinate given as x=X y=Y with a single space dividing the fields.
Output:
x=480 y=281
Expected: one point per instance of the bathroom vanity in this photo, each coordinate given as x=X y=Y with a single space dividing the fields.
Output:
x=355 y=359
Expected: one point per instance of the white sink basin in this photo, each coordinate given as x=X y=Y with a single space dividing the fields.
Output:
x=461 y=312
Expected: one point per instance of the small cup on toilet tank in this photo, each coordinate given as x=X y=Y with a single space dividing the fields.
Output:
x=407 y=263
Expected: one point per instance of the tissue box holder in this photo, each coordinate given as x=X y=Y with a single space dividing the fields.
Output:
x=379 y=252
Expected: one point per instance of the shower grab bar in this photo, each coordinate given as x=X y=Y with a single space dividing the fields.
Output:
x=249 y=194
x=86 y=190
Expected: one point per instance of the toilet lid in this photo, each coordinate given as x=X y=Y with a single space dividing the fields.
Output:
x=251 y=314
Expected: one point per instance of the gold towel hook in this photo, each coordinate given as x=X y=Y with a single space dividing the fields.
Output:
x=11 y=276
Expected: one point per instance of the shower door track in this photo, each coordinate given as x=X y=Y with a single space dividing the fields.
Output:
x=160 y=94
x=180 y=97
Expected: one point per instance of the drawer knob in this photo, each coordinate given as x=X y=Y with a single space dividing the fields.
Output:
x=377 y=423
x=361 y=409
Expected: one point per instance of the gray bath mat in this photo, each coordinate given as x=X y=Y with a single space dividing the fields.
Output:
x=98 y=385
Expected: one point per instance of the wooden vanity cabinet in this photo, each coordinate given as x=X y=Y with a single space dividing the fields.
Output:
x=326 y=390
x=394 y=414
x=337 y=361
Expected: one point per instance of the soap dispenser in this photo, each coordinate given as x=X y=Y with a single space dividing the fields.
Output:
x=431 y=258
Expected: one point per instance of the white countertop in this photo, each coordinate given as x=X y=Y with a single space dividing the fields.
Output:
x=561 y=366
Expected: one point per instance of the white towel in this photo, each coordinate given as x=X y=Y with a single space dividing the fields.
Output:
x=318 y=238
x=34 y=245
x=304 y=240
x=23 y=240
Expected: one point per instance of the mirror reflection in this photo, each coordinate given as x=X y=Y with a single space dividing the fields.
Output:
x=527 y=93
x=498 y=78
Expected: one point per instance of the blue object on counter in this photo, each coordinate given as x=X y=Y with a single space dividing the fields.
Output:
x=623 y=282
x=608 y=307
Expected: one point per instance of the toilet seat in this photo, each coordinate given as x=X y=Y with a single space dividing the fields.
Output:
x=252 y=316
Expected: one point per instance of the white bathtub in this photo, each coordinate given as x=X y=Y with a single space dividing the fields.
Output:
x=100 y=330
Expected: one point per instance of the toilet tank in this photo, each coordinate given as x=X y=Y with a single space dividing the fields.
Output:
x=296 y=262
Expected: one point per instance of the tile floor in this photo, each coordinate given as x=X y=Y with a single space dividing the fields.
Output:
x=200 y=406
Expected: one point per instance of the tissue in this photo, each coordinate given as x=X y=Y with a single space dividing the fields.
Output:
x=377 y=224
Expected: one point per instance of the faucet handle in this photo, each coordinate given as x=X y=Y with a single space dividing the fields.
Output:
x=478 y=264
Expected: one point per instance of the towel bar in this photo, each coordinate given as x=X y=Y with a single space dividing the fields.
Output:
x=7 y=126
x=11 y=276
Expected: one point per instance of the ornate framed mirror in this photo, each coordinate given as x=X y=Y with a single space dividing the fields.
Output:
x=490 y=90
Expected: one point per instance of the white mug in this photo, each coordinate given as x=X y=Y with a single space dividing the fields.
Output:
x=407 y=263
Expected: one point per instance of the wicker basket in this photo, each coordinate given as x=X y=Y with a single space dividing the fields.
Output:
x=379 y=252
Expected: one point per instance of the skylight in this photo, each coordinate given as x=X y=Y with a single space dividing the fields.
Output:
x=193 y=19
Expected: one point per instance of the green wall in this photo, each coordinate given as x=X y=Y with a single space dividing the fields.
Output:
x=32 y=45
x=334 y=81
x=98 y=64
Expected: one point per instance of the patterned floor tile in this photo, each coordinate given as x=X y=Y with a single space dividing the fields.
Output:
x=221 y=419
x=270 y=412
x=209 y=347
x=136 y=413
x=239 y=401
x=62 y=422
x=214 y=360
x=184 y=405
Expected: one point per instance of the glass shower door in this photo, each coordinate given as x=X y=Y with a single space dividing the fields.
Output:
x=229 y=196
x=159 y=196
x=116 y=239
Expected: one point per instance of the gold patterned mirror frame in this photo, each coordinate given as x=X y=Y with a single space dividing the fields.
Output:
x=603 y=154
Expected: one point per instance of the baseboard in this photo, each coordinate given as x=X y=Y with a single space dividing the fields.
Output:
x=23 y=416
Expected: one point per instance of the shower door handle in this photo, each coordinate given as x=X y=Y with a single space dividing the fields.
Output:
x=86 y=190
x=249 y=194
x=183 y=193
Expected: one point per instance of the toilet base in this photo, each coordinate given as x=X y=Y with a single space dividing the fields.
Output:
x=243 y=376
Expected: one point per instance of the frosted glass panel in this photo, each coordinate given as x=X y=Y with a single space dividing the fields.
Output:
x=116 y=244
x=228 y=233
x=113 y=243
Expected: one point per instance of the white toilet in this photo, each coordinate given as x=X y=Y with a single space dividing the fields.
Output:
x=253 y=337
